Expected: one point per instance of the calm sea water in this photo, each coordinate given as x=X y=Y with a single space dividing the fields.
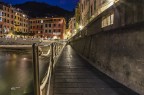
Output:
x=16 y=71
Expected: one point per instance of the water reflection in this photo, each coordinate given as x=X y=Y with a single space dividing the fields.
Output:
x=16 y=73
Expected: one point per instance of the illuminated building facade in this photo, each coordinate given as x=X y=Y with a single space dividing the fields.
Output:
x=12 y=20
x=21 y=21
x=49 y=28
x=77 y=16
x=84 y=6
x=36 y=26
x=7 y=18
x=87 y=10
x=72 y=26
x=1 y=23
x=92 y=8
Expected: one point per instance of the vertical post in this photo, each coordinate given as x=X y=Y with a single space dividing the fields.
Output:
x=52 y=55
x=36 y=69
x=55 y=49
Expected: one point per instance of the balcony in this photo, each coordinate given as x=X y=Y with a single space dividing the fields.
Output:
x=57 y=33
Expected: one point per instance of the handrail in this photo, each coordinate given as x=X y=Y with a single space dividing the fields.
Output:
x=36 y=69
x=53 y=53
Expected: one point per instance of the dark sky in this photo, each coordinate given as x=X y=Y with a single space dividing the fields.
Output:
x=66 y=4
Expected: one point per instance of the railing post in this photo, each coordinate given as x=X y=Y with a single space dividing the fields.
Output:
x=36 y=69
x=52 y=55
x=55 y=49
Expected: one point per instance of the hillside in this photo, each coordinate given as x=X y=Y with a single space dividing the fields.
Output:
x=37 y=9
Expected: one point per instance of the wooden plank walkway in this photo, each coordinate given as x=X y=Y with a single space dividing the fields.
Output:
x=74 y=76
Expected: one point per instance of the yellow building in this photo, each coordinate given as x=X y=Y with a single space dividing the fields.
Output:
x=21 y=21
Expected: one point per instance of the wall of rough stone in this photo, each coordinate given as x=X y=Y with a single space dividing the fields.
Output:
x=120 y=55
x=117 y=50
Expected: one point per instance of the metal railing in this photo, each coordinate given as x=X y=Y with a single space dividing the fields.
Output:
x=54 y=51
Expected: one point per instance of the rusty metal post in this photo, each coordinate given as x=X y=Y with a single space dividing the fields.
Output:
x=55 y=49
x=52 y=55
x=36 y=69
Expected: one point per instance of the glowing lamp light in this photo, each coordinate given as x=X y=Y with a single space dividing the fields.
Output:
x=68 y=33
x=24 y=16
x=24 y=58
x=93 y=16
x=41 y=21
x=55 y=37
x=80 y=27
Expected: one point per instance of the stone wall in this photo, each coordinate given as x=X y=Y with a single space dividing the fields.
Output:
x=117 y=50
x=118 y=54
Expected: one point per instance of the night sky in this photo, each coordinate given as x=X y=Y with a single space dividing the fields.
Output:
x=66 y=4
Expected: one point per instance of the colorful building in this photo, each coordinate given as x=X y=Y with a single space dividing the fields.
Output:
x=12 y=20
x=7 y=22
x=77 y=16
x=90 y=9
x=51 y=28
x=21 y=21
x=85 y=11
x=15 y=23
x=72 y=26
x=1 y=23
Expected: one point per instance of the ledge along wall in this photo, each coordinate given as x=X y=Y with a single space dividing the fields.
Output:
x=116 y=50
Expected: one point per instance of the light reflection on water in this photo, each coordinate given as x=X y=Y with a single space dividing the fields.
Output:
x=16 y=73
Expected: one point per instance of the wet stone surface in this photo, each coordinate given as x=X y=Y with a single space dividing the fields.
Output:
x=74 y=76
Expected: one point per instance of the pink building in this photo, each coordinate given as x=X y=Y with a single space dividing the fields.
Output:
x=51 y=28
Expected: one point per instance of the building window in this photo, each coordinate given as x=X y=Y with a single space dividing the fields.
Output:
x=41 y=26
x=0 y=19
x=91 y=10
x=112 y=19
x=49 y=25
x=45 y=25
x=45 y=31
x=41 y=21
x=95 y=5
x=7 y=21
x=50 y=31
x=108 y=20
x=54 y=25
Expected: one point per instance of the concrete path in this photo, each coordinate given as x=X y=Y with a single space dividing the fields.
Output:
x=74 y=76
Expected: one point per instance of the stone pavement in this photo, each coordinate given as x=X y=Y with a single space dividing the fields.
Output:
x=75 y=76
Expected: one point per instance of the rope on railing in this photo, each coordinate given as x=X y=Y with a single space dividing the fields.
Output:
x=53 y=53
